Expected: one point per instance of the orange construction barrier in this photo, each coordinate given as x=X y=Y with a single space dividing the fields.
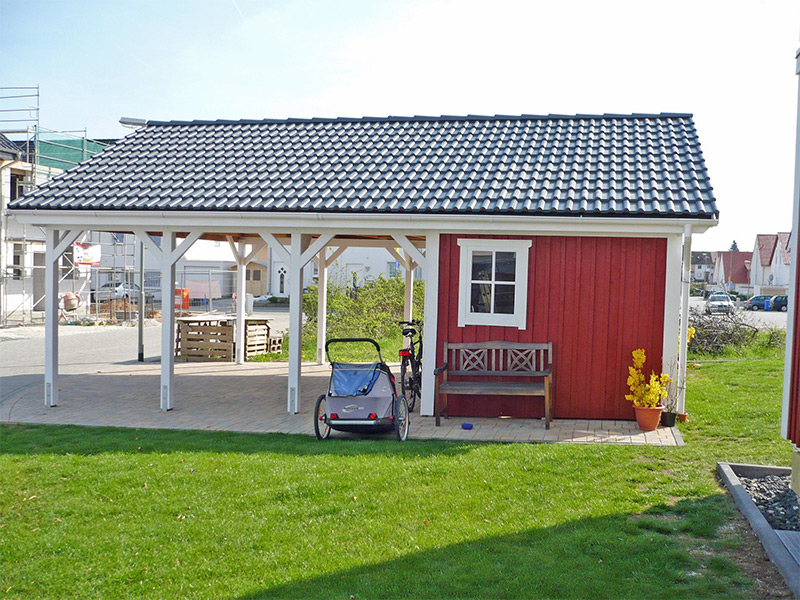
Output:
x=182 y=298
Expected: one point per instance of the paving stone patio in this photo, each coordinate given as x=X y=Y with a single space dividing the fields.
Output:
x=252 y=398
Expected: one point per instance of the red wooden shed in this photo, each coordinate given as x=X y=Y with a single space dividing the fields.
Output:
x=569 y=229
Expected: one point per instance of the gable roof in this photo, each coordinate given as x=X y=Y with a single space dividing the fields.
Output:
x=784 y=244
x=701 y=258
x=765 y=245
x=608 y=165
x=734 y=266
x=8 y=150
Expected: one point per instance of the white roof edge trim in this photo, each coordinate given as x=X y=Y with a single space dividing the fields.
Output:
x=246 y=222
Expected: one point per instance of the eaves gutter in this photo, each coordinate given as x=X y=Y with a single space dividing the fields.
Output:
x=241 y=221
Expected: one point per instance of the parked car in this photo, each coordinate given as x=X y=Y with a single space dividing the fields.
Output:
x=779 y=303
x=757 y=303
x=116 y=291
x=719 y=303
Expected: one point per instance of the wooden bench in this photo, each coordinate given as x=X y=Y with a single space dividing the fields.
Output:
x=495 y=360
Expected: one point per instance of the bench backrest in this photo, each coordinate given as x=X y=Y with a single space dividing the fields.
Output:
x=507 y=359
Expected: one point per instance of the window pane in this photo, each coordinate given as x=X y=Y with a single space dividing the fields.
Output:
x=481 y=266
x=505 y=266
x=504 y=299
x=256 y=275
x=481 y=298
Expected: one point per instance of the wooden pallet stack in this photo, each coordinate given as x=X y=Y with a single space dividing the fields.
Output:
x=206 y=338
x=257 y=337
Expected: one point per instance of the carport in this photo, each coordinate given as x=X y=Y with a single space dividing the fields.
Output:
x=309 y=188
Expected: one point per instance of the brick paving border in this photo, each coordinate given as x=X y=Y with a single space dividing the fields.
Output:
x=252 y=398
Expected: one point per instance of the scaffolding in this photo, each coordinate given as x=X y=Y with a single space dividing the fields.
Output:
x=44 y=153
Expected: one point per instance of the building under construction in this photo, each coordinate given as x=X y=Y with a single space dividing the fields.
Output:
x=29 y=155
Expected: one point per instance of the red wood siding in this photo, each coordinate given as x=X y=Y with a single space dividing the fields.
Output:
x=793 y=426
x=596 y=299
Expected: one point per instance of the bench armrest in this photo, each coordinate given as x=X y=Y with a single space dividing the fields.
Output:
x=441 y=369
x=547 y=372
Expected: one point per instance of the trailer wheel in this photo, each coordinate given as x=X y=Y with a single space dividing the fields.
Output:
x=401 y=420
x=321 y=428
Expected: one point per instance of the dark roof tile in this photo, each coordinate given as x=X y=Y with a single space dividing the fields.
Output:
x=645 y=165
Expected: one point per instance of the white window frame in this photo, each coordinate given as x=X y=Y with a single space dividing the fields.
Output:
x=521 y=249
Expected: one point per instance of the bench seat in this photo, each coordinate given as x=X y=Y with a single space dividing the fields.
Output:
x=494 y=363
x=492 y=388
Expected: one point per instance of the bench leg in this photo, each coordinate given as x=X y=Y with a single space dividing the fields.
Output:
x=442 y=398
x=548 y=405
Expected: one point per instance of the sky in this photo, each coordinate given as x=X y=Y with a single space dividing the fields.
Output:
x=731 y=63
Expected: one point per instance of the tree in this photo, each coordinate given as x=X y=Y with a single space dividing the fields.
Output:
x=734 y=246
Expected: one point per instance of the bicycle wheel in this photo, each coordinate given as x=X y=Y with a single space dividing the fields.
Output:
x=415 y=387
x=401 y=419
x=321 y=428
x=409 y=383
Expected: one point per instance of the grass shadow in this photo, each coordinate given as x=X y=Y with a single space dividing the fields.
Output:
x=29 y=439
x=666 y=552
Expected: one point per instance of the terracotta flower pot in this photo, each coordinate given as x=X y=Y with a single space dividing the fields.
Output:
x=648 y=417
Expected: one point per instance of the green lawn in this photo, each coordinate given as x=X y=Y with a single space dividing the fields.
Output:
x=108 y=513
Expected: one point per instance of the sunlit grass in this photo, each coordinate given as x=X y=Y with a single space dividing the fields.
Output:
x=114 y=513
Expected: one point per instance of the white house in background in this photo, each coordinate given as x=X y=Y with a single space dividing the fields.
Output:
x=702 y=266
x=781 y=262
x=761 y=262
x=769 y=268
x=354 y=265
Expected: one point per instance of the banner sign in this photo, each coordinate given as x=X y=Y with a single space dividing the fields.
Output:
x=86 y=255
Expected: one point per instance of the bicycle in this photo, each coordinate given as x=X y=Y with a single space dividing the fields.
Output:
x=411 y=366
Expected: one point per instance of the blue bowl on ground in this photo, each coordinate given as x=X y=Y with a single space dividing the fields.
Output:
x=466 y=426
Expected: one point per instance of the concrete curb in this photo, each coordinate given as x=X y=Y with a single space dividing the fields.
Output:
x=776 y=550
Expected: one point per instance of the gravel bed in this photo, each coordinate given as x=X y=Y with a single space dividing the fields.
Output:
x=775 y=499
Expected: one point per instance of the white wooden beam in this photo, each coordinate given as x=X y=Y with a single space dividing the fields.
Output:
x=402 y=260
x=184 y=246
x=234 y=249
x=148 y=241
x=66 y=240
x=167 y=319
x=276 y=246
x=789 y=382
x=683 y=343
x=431 y=266
x=255 y=249
x=322 y=306
x=241 y=324
x=672 y=314
x=336 y=254
x=411 y=249
x=51 y=318
x=408 y=299
x=315 y=248
x=295 y=321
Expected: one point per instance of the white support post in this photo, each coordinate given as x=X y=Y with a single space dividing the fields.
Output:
x=241 y=324
x=322 y=305
x=56 y=243
x=672 y=313
x=167 y=319
x=793 y=291
x=295 y=321
x=408 y=301
x=685 y=288
x=51 y=319
x=431 y=267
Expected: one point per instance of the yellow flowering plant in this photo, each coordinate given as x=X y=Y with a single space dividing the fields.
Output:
x=644 y=392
